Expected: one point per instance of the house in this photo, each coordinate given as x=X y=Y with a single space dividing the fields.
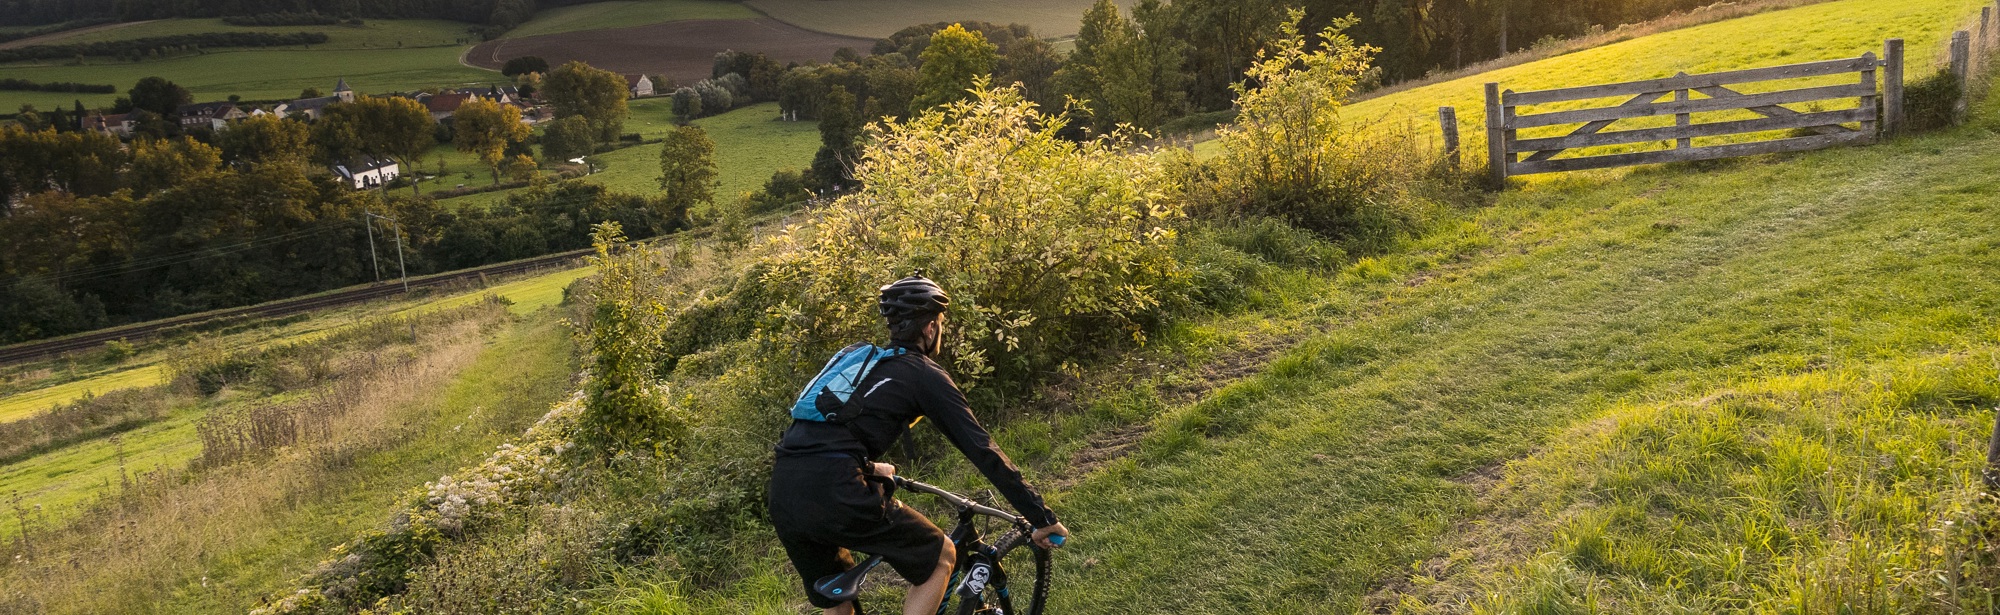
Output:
x=211 y=116
x=442 y=106
x=639 y=85
x=117 y=125
x=365 y=172
x=312 y=108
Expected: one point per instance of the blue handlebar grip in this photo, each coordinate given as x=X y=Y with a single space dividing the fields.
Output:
x=1057 y=540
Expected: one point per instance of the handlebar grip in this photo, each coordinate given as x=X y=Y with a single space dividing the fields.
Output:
x=1058 y=540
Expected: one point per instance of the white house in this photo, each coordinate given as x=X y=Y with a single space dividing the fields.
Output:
x=365 y=172
x=640 y=85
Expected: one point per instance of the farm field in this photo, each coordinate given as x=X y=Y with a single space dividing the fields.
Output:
x=626 y=14
x=880 y=18
x=750 y=145
x=261 y=74
x=682 y=50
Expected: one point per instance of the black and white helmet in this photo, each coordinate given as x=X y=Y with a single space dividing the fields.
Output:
x=912 y=297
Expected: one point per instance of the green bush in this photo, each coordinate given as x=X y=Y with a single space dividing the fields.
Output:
x=1934 y=102
x=1048 y=247
x=1290 y=155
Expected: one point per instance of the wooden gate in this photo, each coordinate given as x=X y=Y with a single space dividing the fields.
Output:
x=1511 y=155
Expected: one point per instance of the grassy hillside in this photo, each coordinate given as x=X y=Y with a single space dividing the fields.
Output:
x=881 y=18
x=38 y=387
x=1819 y=32
x=625 y=14
x=218 y=540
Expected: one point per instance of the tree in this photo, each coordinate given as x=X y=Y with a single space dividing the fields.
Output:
x=687 y=105
x=524 y=65
x=158 y=164
x=396 y=127
x=266 y=139
x=567 y=138
x=159 y=96
x=487 y=128
x=955 y=59
x=687 y=170
x=840 y=129
x=521 y=168
x=576 y=89
x=1126 y=75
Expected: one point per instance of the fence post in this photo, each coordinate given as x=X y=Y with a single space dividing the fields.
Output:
x=1961 y=55
x=1448 y=121
x=1496 y=137
x=1874 y=98
x=1985 y=21
x=1993 y=453
x=1682 y=119
x=1892 y=88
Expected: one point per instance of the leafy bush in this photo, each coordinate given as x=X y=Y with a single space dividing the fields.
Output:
x=1290 y=155
x=1934 y=102
x=1049 y=247
x=625 y=408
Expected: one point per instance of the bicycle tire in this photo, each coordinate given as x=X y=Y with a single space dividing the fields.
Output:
x=1038 y=595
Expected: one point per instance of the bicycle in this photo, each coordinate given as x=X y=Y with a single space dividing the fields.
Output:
x=979 y=581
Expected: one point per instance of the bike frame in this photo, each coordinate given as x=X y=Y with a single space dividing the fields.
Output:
x=976 y=559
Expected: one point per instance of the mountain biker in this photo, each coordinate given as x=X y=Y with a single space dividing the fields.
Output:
x=822 y=500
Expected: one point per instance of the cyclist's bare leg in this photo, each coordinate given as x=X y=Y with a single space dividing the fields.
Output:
x=845 y=608
x=924 y=599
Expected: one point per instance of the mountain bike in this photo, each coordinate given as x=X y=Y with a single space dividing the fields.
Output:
x=980 y=583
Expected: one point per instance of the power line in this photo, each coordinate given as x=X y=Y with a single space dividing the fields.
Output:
x=114 y=269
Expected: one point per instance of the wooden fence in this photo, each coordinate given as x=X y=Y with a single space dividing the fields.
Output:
x=1509 y=155
x=1878 y=85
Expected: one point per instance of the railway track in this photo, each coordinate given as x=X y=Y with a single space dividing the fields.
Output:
x=29 y=351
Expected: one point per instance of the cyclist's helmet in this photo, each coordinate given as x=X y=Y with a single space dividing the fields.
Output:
x=912 y=297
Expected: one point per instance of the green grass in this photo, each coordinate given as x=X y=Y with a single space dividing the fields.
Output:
x=881 y=18
x=750 y=145
x=259 y=74
x=1523 y=331
x=522 y=369
x=21 y=405
x=57 y=485
x=1832 y=30
x=626 y=14
x=527 y=294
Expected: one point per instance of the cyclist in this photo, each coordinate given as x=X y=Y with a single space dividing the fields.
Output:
x=822 y=501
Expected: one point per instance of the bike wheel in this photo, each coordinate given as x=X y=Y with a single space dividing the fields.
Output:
x=1017 y=561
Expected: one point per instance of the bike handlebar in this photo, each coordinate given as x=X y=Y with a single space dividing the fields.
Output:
x=962 y=503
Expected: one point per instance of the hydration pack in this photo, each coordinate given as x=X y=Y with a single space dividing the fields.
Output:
x=828 y=398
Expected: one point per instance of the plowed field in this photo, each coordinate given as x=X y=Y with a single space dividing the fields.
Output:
x=681 y=50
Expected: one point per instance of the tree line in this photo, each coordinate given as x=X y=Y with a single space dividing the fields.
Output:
x=157 y=45
x=24 y=85
x=497 y=15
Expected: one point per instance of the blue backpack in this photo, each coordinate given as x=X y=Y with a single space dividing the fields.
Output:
x=828 y=398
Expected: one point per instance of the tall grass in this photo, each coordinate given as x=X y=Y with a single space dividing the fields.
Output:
x=275 y=492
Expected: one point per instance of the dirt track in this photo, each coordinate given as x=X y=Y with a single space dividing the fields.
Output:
x=682 y=50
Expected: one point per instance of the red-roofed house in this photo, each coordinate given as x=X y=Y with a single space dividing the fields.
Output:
x=442 y=105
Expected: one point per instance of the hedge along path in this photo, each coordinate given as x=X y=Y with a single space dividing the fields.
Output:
x=1300 y=490
x=1826 y=31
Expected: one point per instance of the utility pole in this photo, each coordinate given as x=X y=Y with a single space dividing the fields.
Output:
x=400 y=268
x=373 y=264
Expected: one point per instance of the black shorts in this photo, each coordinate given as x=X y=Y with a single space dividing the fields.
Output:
x=824 y=506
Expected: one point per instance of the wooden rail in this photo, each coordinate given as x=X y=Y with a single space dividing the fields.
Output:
x=1877 y=85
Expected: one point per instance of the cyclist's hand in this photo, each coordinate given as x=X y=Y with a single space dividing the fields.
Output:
x=883 y=470
x=1042 y=535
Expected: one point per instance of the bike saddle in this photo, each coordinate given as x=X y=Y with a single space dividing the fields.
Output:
x=845 y=586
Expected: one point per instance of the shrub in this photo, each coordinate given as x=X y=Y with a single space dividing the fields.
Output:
x=1934 y=102
x=1290 y=155
x=624 y=409
x=1049 y=247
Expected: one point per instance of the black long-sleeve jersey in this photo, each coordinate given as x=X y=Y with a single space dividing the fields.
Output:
x=893 y=397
